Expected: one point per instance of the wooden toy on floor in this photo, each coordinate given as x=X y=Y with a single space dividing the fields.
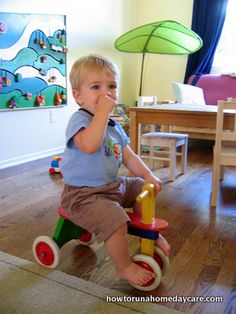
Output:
x=55 y=168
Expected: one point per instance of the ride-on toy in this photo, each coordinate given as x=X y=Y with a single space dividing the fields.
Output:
x=46 y=250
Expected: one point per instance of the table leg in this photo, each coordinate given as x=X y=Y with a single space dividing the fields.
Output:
x=133 y=132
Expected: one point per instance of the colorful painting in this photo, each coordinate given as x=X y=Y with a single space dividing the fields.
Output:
x=32 y=61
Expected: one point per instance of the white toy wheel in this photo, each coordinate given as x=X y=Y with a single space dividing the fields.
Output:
x=162 y=260
x=87 y=238
x=46 y=251
x=149 y=263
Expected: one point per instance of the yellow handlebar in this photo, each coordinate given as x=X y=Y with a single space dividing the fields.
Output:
x=147 y=198
x=142 y=196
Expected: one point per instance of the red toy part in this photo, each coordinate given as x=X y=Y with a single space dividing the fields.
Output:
x=51 y=170
x=62 y=213
x=45 y=253
x=158 y=259
x=157 y=224
x=86 y=236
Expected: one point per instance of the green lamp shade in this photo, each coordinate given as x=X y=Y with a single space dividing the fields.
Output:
x=164 y=37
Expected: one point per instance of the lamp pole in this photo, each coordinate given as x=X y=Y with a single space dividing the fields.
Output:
x=141 y=76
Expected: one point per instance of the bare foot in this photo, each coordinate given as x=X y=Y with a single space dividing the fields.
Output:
x=163 y=244
x=136 y=274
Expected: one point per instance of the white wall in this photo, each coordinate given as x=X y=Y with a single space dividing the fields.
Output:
x=161 y=70
x=92 y=27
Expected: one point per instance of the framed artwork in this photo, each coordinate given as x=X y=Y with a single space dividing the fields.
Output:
x=32 y=61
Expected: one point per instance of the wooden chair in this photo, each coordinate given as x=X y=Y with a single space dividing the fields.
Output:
x=224 y=149
x=162 y=146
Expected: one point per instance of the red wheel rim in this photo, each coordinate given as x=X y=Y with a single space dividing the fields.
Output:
x=159 y=260
x=148 y=267
x=44 y=253
x=86 y=236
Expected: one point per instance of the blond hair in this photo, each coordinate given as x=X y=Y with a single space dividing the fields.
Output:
x=90 y=63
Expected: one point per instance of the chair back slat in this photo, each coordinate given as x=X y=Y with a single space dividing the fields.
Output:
x=222 y=134
x=144 y=101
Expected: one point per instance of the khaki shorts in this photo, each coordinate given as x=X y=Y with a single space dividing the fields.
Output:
x=100 y=210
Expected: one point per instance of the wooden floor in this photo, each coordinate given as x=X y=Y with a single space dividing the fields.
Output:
x=203 y=239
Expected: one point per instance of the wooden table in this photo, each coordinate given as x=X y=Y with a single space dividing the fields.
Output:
x=174 y=114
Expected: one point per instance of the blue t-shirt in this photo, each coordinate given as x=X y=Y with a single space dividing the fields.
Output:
x=100 y=168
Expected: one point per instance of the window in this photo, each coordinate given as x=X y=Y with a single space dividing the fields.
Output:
x=225 y=55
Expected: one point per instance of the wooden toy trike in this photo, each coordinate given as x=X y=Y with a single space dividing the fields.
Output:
x=46 y=250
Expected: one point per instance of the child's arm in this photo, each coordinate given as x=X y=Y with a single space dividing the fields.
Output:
x=90 y=139
x=135 y=165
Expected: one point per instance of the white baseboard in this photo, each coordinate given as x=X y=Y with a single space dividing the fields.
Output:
x=25 y=158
